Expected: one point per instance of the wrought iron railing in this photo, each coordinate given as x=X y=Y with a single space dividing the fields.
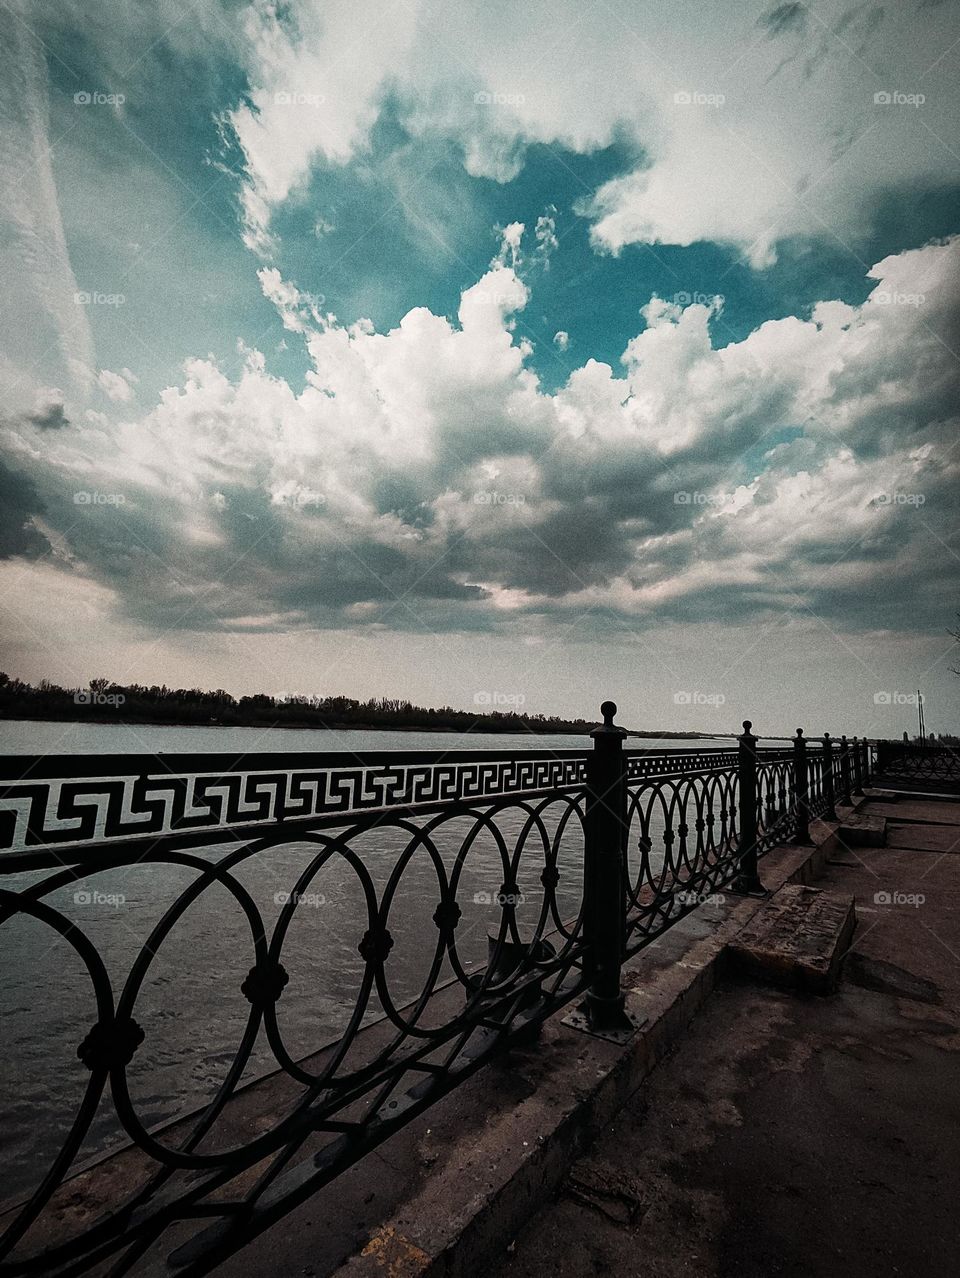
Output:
x=466 y=897
x=920 y=764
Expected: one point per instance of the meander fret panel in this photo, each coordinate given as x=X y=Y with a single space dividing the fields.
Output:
x=37 y=812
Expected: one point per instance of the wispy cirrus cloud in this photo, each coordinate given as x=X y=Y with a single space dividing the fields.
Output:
x=749 y=130
x=46 y=333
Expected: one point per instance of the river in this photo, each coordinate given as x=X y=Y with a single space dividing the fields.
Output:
x=30 y=736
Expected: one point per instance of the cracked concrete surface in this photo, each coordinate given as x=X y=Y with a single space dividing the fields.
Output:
x=788 y=1134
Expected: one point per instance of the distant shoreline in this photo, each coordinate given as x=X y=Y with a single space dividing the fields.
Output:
x=159 y=706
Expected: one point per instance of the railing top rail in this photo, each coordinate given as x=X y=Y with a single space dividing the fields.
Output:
x=46 y=767
x=49 y=766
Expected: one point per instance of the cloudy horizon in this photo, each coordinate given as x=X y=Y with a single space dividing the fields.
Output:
x=452 y=350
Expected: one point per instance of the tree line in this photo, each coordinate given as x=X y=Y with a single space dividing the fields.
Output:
x=139 y=703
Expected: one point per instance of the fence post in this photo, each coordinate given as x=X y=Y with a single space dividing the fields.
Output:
x=801 y=786
x=857 y=766
x=830 y=808
x=748 y=879
x=845 y=771
x=604 y=873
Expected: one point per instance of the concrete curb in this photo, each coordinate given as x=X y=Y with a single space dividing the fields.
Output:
x=500 y=1175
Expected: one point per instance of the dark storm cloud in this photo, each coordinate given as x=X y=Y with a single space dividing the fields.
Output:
x=51 y=416
x=19 y=503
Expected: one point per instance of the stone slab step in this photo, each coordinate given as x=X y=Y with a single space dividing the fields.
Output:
x=924 y=838
x=858 y=830
x=797 y=939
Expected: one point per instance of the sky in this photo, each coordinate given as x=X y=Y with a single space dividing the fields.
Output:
x=486 y=354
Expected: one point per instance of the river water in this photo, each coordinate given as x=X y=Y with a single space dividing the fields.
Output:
x=190 y=1005
x=23 y=736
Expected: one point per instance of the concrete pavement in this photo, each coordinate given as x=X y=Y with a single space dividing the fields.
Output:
x=789 y=1134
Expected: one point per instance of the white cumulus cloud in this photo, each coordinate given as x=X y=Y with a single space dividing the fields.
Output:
x=423 y=475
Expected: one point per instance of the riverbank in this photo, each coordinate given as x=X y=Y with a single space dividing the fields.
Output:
x=104 y=702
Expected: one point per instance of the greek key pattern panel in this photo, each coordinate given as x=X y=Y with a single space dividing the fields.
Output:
x=71 y=813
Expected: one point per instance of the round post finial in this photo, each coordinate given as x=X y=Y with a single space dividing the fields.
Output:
x=799 y=732
x=608 y=728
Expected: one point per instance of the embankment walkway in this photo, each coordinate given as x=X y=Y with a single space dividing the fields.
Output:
x=744 y=1132
x=796 y=1135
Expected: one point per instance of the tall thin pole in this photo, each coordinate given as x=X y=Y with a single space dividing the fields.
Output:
x=604 y=874
x=923 y=735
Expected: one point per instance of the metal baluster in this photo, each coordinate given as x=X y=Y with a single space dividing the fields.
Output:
x=845 y=771
x=830 y=810
x=768 y=779
x=748 y=879
x=857 y=766
x=801 y=788
x=604 y=874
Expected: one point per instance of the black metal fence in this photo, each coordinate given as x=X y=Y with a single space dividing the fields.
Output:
x=514 y=883
x=919 y=765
